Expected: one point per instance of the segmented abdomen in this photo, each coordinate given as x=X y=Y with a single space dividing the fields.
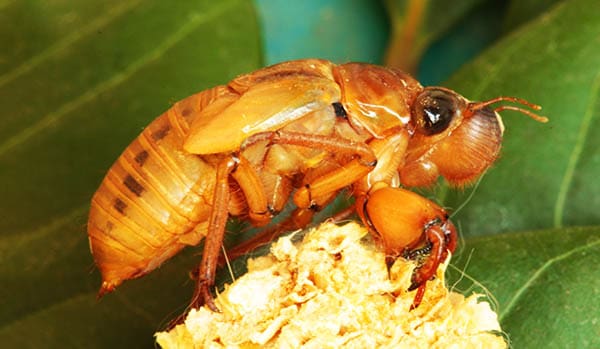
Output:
x=154 y=200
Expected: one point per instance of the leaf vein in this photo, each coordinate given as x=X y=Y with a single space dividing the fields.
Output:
x=45 y=228
x=74 y=298
x=538 y=273
x=61 y=45
x=582 y=135
x=58 y=115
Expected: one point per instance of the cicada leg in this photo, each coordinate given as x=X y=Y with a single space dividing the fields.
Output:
x=254 y=193
x=246 y=177
x=319 y=191
x=441 y=237
x=214 y=236
x=311 y=193
x=328 y=183
x=298 y=219
x=327 y=143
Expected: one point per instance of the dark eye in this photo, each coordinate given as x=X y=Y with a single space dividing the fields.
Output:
x=433 y=110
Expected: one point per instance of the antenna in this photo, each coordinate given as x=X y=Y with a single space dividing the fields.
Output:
x=479 y=105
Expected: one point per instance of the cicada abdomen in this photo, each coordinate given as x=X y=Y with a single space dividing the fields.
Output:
x=154 y=200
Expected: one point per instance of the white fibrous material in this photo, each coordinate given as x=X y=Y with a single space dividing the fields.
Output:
x=334 y=290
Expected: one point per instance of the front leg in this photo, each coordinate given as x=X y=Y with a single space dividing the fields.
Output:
x=441 y=238
x=402 y=221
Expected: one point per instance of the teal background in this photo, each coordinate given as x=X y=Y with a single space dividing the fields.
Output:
x=358 y=30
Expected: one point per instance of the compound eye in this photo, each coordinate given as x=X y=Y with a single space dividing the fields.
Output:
x=434 y=109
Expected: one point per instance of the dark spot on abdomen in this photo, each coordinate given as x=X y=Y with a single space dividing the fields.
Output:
x=120 y=206
x=141 y=157
x=161 y=133
x=133 y=185
x=186 y=112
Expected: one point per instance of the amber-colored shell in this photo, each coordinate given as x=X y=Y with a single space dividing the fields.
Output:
x=346 y=125
x=154 y=200
x=266 y=106
x=378 y=98
x=460 y=154
x=406 y=215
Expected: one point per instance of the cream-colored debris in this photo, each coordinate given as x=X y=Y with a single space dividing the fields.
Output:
x=333 y=290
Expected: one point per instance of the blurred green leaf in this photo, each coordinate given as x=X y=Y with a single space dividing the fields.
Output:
x=546 y=174
x=545 y=284
x=544 y=281
x=522 y=11
x=477 y=30
x=416 y=24
x=78 y=81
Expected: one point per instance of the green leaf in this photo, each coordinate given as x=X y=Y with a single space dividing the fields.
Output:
x=522 y=11
x=78 y=81
x=545 y=284
x=546 y=176
x=544 y=281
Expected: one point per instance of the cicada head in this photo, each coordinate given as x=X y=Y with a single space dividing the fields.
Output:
x=453 y=137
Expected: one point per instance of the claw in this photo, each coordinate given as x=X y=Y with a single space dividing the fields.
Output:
x=205 y=297
x=418 y=297
x=441 y=238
